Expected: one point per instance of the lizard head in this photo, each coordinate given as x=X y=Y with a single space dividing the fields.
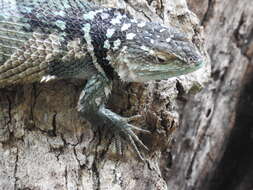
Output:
x=155 y=52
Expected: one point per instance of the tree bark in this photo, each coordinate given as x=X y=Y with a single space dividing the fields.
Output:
x=44 y=144
x=212 y=145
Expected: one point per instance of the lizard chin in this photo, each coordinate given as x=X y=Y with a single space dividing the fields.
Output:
x=145 y=73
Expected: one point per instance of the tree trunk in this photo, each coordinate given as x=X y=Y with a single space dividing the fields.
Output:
x=45 y=145
x=212 y=145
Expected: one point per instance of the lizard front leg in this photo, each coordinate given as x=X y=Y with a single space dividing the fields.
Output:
x=91 y=106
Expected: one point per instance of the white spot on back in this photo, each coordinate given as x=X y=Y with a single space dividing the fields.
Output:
x=152 y=41
x=104 y=16
x=61 y=24
x=60 y=13
x=107 y=44
x=134 y=21
x=116 y=44
x=116 y=20
x=141 y=24
x=108 y=57
x=168 y=39
x=125 y=27
x=86 y=28
x=145 y=48
x=110 y=32
x=130 y=36
x=151 y=52
x=119 y=14
x=124 y=48
x=67 y=6
x=90 y=15
x=162 y=30
x=147 y=33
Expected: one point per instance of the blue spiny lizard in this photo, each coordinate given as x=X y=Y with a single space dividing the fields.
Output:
x=43 y=40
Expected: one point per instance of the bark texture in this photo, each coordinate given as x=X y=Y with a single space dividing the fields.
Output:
x=44 y=145
x=212 y=145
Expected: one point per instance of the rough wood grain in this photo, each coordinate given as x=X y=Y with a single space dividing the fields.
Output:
x=44 y=144
x=210 y=119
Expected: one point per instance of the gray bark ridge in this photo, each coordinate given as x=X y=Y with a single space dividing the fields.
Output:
x=209 y=119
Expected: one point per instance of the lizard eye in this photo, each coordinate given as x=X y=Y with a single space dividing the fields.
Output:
x=161 y=59
x=190 y=60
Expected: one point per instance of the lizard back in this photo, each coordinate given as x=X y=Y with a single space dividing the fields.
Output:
x=42 y=39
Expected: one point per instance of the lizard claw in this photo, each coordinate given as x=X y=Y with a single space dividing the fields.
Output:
x=126 y=132
x=139 y=129
x=133 y=118
x=122 y=130
x=136 y=138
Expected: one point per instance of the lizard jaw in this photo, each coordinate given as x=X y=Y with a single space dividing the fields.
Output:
x=145 y=73
x=143 y=76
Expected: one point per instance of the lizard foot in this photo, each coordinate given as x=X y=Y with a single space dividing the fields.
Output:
x=91 y=106
x=123 y=130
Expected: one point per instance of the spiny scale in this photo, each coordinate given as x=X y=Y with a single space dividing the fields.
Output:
x=30 y=60
x=27 y=55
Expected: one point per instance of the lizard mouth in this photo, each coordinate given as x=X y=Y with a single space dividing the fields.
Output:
x=161 y=72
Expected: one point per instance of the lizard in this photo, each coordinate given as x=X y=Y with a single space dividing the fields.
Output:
x=44 y=40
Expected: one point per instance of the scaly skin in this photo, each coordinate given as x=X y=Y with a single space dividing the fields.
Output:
x=42 y=40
